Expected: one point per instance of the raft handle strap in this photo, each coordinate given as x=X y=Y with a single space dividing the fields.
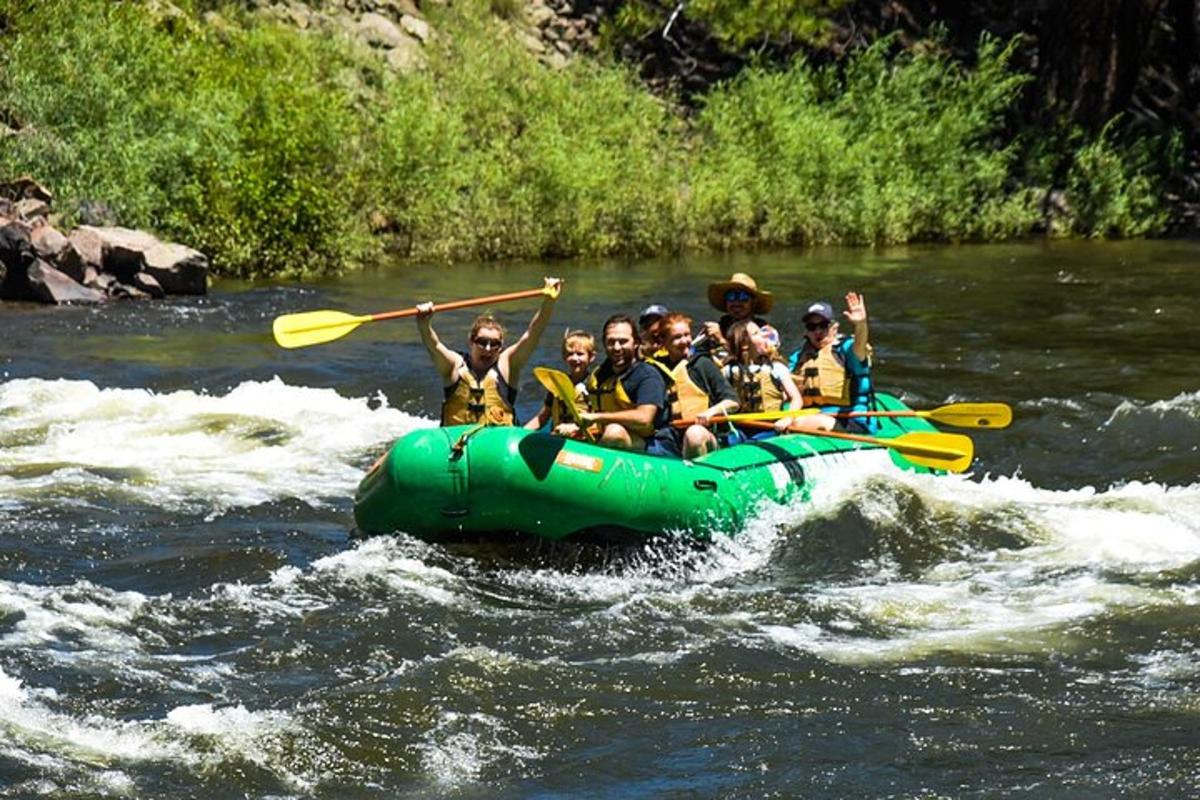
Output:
x=705 y=485
x=456 y=449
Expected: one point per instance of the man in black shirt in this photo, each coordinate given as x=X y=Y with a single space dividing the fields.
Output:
x=627 y=398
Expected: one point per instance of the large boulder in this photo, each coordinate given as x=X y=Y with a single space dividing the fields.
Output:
x=177 y=268
x=123 y=250
x=52 y=286
x=89 y=246
x=16 y=256
x=50 y=245
x=124 y=253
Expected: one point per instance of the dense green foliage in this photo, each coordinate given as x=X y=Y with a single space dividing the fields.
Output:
x=492 y=155
x=889 y=150
x=277 y=151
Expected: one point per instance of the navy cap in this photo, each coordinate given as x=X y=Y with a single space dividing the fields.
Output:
x=651 y=313
x=823 y=310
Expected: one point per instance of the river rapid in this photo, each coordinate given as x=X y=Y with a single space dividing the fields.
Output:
x=185 y=611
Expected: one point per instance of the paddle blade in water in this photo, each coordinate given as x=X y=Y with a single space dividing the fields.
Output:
x=314 y=327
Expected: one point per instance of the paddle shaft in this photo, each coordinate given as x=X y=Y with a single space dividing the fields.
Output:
x=477 y=301
x=960 y=415
x=896 y=444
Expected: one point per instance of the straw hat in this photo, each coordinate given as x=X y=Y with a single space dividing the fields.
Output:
x=740 y=280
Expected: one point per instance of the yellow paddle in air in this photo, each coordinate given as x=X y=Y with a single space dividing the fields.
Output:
x=559 y=384
x=318 y=327
x=951 y=452
x=959 y=415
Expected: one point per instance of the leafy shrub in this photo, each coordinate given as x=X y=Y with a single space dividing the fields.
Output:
x=1114 y=189
x=233 y=141
x=890 y=149
x=494 y=155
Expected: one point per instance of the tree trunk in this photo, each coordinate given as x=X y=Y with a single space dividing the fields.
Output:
x=1091 y=53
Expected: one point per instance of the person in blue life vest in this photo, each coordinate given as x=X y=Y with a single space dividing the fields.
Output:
x=696 y=389
x=578 y=352
x=834 y=371
x=739 y=298
x=480 y=384
x=627 y=398
x=759 y=375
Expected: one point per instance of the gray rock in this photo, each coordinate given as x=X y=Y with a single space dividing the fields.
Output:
x=24 y=188
x=380 y=31
x=89 y=246
x=16 y=256
x=416 y=27
x=52 y=286
x=178 y=269
x=124 y=250
x=48 y=242
x=31 y=208
x=398 y=8
x=407 y=57
x=147 y=283
x=96 y=212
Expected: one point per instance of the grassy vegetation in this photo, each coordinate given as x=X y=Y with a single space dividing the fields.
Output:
x=273 y=150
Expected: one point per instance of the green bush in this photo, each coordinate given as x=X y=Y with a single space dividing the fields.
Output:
x=234 y=140
x=890 y=149
x=494 y=155
x=1114 y=188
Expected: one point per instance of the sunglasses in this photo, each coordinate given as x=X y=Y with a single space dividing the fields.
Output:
x=488 y=344
x=737 y=296
x=817 y=326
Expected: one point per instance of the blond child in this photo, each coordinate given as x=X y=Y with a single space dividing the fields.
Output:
x=579 y=353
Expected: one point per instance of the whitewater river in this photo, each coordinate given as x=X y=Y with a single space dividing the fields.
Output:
x=185 y=611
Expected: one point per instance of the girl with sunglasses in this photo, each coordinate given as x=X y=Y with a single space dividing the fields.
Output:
x=480 y=384
x=834 y=371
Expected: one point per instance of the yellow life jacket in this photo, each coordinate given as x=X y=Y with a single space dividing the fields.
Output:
x=470 y=401
x=684 y=397
x=823 y=380
x=558 y=409
x=607 y=394
x=757 y=389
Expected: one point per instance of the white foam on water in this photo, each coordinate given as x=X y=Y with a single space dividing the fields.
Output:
x=1086 y=547
x=397 y=565
x=1183 y=406
x=81 y=615
x=94 y=749
x=262 y=441
x=459 y=747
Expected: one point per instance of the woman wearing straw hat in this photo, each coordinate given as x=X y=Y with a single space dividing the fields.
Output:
x=740 y=299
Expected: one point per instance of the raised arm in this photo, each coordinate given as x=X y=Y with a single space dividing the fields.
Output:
x=445 y=359
x=516 y=355
x=856 y=315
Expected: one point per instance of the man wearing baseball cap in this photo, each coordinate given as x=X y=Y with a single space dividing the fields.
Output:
x=650 y=327
x=834 y=371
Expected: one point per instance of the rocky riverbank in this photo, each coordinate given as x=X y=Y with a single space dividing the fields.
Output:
x=88 y=264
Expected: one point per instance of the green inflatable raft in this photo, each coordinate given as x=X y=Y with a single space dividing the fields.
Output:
x=439 y=483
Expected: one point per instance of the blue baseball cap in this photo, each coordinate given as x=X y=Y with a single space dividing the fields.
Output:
x=821 y=309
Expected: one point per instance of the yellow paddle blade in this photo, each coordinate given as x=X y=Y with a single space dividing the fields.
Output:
x=971 y=415
x=314 y=327
x=949 y=451
x=560 y=385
